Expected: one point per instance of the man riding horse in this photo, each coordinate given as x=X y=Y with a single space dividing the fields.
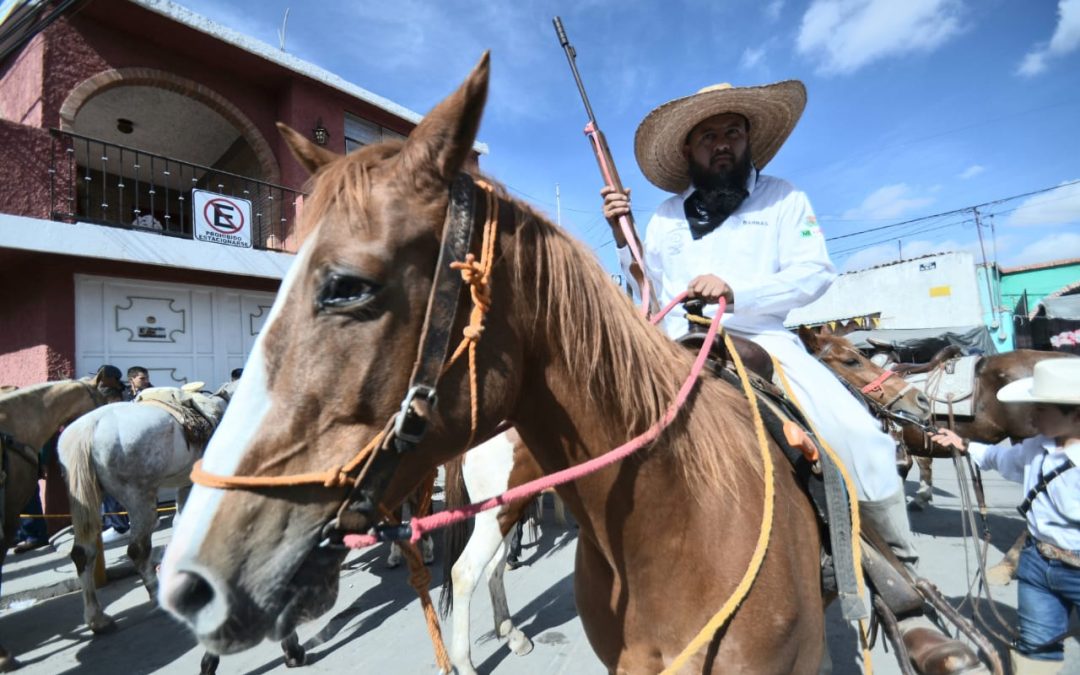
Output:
x=730 y=231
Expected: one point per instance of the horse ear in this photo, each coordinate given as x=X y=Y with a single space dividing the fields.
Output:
x=312 y=157
x=438 y=146
x=809 y=339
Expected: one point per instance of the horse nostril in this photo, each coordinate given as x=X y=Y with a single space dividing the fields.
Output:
x=924 y=402
x=188 y=594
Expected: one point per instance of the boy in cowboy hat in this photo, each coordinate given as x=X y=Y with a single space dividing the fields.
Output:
x=1049 y=569
x=730 y=231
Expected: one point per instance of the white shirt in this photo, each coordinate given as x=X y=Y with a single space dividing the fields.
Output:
x=1055 y=514
x=770 y=251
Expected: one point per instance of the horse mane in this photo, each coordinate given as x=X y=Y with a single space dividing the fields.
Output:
x=635 y=370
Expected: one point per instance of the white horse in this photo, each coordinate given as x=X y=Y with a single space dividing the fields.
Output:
x=486 y=471
x=129 y=450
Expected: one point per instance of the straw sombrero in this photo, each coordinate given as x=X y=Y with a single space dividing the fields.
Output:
x=1052 y=381
x=773 y=111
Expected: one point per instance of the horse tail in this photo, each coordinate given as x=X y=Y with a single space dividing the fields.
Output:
x=455 y=536
x=76 y=452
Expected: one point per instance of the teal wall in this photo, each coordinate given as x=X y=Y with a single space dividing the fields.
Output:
x=1010 y=288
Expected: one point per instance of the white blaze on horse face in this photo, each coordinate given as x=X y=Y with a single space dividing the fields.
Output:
x=247 y=408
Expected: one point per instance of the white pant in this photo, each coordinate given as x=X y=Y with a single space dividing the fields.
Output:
x=857 y=439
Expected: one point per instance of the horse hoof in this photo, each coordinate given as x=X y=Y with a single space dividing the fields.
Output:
x=209 y=664
x=296 y=660
x=1000 y=574
x=519 y=644
x=8 y=664
x=391 y=563
x=103 y=625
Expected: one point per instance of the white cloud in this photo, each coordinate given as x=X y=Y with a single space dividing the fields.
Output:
x=842 y=36
x=773 y=9
x=890 y=201
x=1065 y=39
x=1055 y=247
x=972 y=171
x=751 y=57
x=1056 y=207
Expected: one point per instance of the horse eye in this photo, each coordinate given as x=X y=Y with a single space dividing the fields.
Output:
x=851 y=363
x=343 y=292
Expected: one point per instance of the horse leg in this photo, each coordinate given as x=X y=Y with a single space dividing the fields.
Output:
x=560 y=510
x=209 y=664
x=925 y=493
x=143 y=516
x=181 y=499
x=394 y=559
x=504 y=624
x=7 y=661
x=86 y=523
x=485 y=544
x=294 y=651
x=1004 y=572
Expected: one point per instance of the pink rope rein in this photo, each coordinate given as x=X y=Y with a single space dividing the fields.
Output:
x=442 y=519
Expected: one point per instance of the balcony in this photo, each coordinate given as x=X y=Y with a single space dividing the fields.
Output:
x=114 y=185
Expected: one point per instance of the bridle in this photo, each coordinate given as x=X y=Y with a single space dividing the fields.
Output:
x=376 y=462
x=875 y=397
x=874 y=393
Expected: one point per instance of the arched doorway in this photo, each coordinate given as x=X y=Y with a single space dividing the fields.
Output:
x=139 y=141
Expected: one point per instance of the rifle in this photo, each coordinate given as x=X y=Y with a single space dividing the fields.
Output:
x=611 y=179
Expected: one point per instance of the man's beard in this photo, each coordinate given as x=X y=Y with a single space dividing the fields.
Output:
x=717 y=194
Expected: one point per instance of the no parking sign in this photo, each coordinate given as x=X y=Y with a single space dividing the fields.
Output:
x=222 y=220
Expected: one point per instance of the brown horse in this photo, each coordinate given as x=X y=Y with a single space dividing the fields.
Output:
x=28 y=418
x=563 y=356
x=992 y=421
x=889 y=397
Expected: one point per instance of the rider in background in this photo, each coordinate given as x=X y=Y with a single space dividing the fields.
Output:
x=1048 y=574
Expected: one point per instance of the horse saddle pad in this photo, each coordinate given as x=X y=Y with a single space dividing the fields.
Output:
x=191 y=409
x=954 y=380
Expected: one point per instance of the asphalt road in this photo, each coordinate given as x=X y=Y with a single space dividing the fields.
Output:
x=377 y=625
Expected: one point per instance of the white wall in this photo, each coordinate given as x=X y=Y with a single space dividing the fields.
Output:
x=939 y=291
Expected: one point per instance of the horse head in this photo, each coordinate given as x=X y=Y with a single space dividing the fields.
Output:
x=879 y=387
x=327 y=375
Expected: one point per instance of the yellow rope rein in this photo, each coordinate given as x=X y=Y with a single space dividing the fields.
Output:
x=705 y=635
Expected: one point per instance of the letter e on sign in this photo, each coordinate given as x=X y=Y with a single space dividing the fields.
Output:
x=221 y=219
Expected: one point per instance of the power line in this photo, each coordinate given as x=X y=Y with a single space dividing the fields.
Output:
x=953 y=212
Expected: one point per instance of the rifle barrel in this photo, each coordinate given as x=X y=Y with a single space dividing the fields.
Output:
x=571 y=56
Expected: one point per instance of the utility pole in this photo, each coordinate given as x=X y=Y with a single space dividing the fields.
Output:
x=900 y=248
x=986 y=270
x=558 y=206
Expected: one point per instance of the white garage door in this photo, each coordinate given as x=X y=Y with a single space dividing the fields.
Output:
x=180 y=333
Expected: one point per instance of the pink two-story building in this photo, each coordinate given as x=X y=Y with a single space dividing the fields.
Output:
x=147 y=202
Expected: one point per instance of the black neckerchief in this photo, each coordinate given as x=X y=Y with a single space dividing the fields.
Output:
x=707 y=210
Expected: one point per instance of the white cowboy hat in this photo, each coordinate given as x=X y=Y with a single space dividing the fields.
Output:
x=772 y=110
x=1053 y=381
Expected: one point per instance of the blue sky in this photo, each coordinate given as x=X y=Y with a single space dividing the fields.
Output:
x=916 y=107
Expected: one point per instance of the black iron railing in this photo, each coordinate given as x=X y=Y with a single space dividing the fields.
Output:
x=109 y=184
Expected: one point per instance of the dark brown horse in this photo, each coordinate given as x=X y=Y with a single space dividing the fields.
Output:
x=992 y=421
x=563 y=356
x=28 y=418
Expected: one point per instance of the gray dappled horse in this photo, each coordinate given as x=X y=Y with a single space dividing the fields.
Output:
x=129 y=450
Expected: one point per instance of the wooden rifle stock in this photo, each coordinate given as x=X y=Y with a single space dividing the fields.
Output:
x=627 y=234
